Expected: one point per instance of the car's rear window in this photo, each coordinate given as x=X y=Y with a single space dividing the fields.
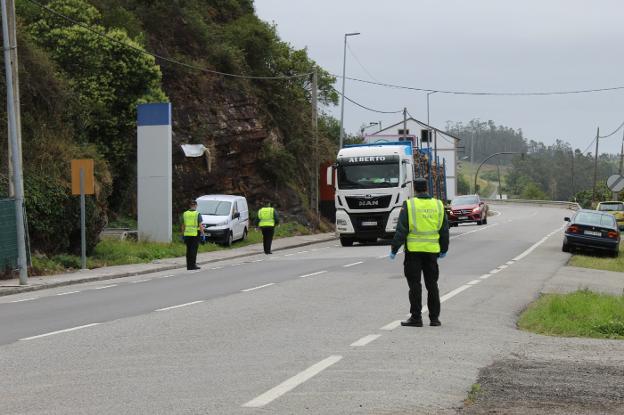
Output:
x=611 y=207
x=595 y=219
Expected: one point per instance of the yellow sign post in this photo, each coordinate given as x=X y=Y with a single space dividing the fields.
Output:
x=82 y=184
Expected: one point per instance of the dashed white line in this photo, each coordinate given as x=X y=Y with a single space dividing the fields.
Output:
x=292 y=383
x=25 y=299
x=511 y=262
x=473 y=282
x=453 y=293
x=485 y=276
x=391 y=326
x=179 y=305
x=354 y=264
x=258 y=260
x=257 y=288
x=68 y=292
x=106 y=286
x=165 y=276
x=60 y=331
x=290 y=254
x=312 y=274
x=139 y=281
x=502 y=267
x=365 y=340
x=213 y=268
x=494 y=271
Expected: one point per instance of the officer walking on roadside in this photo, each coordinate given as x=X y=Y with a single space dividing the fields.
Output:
x=192 y=228
x=267 y=220
x=423 y=229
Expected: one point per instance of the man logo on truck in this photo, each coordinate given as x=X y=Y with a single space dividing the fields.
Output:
x=368 y=203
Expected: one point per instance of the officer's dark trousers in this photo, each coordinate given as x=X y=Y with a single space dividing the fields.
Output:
x=267 y=237
x=414 y=264
x=192 y=243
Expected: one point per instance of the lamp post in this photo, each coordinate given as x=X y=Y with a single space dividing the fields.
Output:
x=489 y=157
x=429 y=93
x=344 y=74
x=365 y=127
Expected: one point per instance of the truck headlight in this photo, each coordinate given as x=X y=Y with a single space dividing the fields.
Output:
x=341 y=222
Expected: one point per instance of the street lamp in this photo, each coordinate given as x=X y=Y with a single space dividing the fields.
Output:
x=367 y=126
x=429 y=93
x=344 y=74
x=489 y=157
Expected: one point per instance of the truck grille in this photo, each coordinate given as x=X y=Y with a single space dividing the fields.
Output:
x=373 y=202
x=366 y=222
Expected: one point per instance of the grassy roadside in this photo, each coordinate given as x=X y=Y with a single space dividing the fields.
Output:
x=604 y=263
x=578 y=314
x=116 y=252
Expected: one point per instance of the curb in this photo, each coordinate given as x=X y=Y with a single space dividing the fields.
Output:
x=19 y=289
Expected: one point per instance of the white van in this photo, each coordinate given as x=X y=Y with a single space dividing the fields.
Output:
x=225 y=217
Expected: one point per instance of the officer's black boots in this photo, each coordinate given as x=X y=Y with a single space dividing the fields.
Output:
x=413 y=322
x=435 y=323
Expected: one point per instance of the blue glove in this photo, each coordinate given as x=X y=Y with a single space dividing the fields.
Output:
x=441 y=254
x=203 y=239
x=392 y=255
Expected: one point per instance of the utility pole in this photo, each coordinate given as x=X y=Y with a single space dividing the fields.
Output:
x=621 y=155
x=405 y=123
x=596 y=166
x=572 y=181
x=316 y=143
x=16 y=95
x=472 y=140
x=344 y=79
x=16 y=153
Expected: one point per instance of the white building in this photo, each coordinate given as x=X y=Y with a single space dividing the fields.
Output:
x=441 y=143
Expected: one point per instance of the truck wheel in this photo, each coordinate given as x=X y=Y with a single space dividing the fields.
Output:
x=346 y=241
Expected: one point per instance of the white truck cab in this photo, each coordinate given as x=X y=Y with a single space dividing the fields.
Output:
x=371 y=181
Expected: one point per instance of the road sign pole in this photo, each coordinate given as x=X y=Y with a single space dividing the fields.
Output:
x=83 y=233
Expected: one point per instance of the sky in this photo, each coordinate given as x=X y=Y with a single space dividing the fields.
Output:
x=477 y=45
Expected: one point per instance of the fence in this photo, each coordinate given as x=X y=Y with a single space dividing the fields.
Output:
x=8 y=235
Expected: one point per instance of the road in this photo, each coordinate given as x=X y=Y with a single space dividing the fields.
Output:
x=308 y=330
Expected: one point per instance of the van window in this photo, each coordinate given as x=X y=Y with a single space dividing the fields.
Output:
x=214 y=207
x=235 y=209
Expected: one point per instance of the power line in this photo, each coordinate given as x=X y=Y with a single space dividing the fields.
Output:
x=442 y=133
x=482 y=93
x=160 y=57
x=616 y=130
x=589 y=146
x=360 y=63
x=367 y=108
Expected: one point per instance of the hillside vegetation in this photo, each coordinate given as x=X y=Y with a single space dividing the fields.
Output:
x=83 y=71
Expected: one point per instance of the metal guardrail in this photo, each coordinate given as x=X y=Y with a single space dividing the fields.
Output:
x=566 y=204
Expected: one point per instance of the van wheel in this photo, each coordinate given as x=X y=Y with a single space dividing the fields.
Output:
x=244 y=235
x=228 y=240
x=346 y=241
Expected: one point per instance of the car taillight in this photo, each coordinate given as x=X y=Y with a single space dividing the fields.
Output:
x=573 y=229
x=612 y=235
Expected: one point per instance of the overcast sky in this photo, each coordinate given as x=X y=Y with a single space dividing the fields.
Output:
x=477 y=45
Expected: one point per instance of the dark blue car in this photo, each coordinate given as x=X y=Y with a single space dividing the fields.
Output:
x=592 y=230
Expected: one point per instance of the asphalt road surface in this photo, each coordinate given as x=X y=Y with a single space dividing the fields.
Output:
x=308 y=330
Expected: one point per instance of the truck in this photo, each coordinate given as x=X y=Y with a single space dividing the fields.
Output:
x=371 y=182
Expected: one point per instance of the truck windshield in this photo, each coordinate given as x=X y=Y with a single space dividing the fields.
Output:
x=368 y=176
x=214 y=207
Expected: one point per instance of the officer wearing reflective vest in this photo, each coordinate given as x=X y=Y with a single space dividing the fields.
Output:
x=267 y=220
x=423 y=229
x=192 y=228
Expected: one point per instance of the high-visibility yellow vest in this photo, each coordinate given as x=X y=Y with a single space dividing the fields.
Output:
x=425 y=217
x=266 y=216
x=190 y=218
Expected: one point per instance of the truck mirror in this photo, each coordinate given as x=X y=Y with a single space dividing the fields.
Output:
x=330 y=176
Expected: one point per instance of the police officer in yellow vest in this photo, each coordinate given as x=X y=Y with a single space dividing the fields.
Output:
x=192 y=228
x=267 y=220
x=423 y=229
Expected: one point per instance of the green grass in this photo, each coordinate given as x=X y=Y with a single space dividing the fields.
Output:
x=599 y=262
x=111 y=252
x=474 y=392
x=579 y=314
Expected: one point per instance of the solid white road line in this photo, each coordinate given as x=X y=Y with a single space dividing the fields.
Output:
x=180 y=305
x=68 y=292
x=453 y=293
x=312 y=274
x=25 y=299
x=365 y=340
x=292 y=383
x=473 y=282
x=106 y=286
x=257 y=288
x=485 y=276
x=354 y=264
x=60 y=331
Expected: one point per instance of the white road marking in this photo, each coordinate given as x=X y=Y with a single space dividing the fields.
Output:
x=302 y=252
x=60 y=331
x=535 y=245
x=453 y=293
x=68 y=292
x=476 y=230
x=179 y=305
x=494 y=271
x=258 y=260
x=485 y=276
x=213 y=268
x=292 y=383
x=510 y=262
x=290 y=254
x=138 y=282
x=25 y=299
x=365 y=340
x=106 y=286
x=312 y=274
x=473 y=282
x=165 y=276
x=257 y=288
x=354 y=264
x=501 y=267
x=391 y=326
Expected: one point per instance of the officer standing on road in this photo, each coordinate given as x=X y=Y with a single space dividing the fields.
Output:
x=267 y=220
x=192 y=228
x=423 y=229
